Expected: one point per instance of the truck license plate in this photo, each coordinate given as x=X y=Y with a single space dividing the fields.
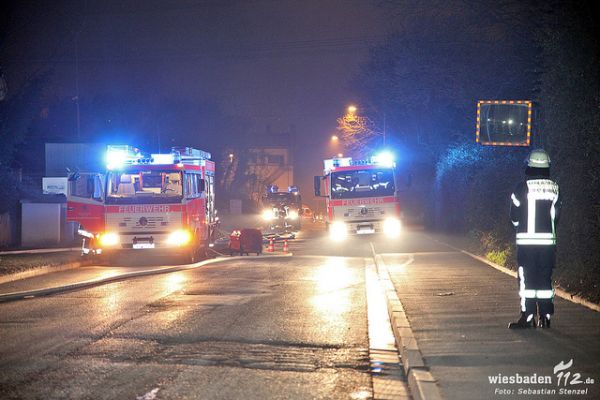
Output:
x=365 y=230
x=143 y=245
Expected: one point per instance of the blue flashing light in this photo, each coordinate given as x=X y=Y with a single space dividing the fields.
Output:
x=384 y=158
x=119 y=155
x=115 y=159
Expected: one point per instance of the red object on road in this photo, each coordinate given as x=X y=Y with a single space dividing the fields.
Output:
x=245 y=241
x=285 y=246
x=271 y=247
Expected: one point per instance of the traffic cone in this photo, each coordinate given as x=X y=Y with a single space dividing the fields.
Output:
x=285 y=246
x=271 y=247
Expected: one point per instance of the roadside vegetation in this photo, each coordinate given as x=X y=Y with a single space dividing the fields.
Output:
x=427 y=82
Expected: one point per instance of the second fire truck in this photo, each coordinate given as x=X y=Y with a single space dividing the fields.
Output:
x=147 y=203
x=282 y=210
x=361 y=196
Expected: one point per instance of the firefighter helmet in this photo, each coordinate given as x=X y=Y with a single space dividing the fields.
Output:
x=538 y=158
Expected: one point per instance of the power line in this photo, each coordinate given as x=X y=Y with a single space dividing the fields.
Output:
x=277 y=49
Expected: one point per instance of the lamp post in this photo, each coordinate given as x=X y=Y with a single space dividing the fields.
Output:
x=3 y=86
x=335 y=144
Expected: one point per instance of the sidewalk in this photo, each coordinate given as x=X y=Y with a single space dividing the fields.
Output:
x=459 y=309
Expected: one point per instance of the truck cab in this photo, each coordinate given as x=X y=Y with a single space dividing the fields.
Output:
x=361 y=197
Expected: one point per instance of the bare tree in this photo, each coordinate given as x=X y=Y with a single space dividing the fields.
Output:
x=357 y=132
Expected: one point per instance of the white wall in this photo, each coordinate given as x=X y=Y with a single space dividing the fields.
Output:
x=40 y=224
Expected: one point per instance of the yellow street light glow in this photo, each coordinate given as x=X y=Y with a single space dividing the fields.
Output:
x=352 y=109
x=340 y=155
x=334 y=138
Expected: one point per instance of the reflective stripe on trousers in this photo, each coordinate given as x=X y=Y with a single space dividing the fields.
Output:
x=542 y=294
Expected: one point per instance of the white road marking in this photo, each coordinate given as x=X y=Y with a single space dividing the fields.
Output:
x=151 y=395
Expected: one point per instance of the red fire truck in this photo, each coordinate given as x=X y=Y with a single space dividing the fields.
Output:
x=146 y=203
x=361 y=196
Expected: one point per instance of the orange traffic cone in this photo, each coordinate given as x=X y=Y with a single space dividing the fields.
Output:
x=271 y=247
x=285 y=246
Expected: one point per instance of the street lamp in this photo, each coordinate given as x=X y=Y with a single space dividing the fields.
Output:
x=351 y=116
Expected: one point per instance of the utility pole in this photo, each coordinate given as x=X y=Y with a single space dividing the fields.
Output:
x=77 y=84
x=80 y=28
x=384 y=129
x=3 y=86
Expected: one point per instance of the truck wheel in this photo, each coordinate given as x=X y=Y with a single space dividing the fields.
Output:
x=191 y=255
x=203 y=253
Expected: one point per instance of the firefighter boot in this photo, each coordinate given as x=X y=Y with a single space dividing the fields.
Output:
x=524 y=322
x=546 y=309
x=544 y=321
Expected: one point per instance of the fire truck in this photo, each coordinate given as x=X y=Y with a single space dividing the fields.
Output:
x=361 y=196
x=282 y=210
x=159 y=203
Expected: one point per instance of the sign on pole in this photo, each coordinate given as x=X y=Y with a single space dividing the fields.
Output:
x=504 y=122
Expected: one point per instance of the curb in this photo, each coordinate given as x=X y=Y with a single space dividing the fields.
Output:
x=563 y=294
x=39 y=251
x=96 y=282
x=46 y=269
x=422 y=384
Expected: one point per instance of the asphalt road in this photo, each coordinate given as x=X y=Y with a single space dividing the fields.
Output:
x=292 y=327
x=283 y=327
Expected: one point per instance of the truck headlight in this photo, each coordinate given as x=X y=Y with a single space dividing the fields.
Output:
x=109 y=239
x=392 y=227
x=180 y=237
x=293 y=214
x=338 y=231
x=267 y=215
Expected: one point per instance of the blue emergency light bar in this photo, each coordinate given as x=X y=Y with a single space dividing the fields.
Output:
x=117 y=156
x=385 y=159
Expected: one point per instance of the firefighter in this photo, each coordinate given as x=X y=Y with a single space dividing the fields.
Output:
x=534 y=211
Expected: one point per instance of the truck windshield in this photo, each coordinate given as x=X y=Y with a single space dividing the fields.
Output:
x=144 y=187
x=362 y=183
x=278 y=198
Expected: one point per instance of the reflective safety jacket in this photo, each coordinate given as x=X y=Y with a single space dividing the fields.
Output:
x=534 y=211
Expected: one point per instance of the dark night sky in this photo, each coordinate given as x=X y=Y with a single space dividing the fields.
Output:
x=277 y=63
